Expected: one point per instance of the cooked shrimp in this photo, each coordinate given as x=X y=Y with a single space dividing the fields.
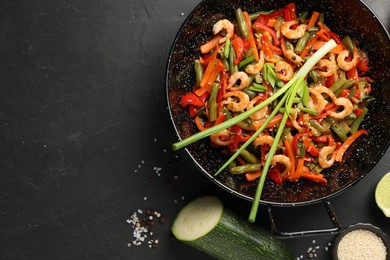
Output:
x=322 y=89
x=343 y=63
x=284 y=71
x=221 y=138
x=259 y=114
x=283 y=159
x=238 y=76
x=263 y=139
x=294 y=120
x=348 y=108
x=236 y=101
x=294 y=58
x=316 y=101
x=293 y=34
x=325 y=68
x=226 y=25
x=256 y=68
x=325 y=157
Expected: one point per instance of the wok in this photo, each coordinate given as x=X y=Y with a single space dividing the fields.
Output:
x=350 y=17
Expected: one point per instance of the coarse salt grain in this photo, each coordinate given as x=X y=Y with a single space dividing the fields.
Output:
x=361 y=244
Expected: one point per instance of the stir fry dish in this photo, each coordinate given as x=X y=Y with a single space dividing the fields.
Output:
x=280 y=93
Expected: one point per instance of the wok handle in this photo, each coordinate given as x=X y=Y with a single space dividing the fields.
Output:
x=332 y=215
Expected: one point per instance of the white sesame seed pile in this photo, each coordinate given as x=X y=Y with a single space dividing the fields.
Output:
x=361 y=244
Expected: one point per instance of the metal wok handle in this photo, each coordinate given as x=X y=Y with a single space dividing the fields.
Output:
x=281 y=234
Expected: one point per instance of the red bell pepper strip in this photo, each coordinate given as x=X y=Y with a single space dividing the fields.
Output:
x=358 y=112
x=193 y=110
x=353 y=74
x=264 y=18
x=329 y=81
x=239 y=48
x=262 y=27
x=192 y=99
x=275 y=175
x=289 y=13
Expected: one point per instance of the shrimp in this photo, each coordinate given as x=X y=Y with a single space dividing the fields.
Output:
x=325 y=68
x=256 y=68
x=259 y=114
x=323 y=157
x=242 y=77
x=236 y=101
x=263 y=139
x=294 y=58
x=221 y=138
x=321 y=89
x=226 y=25
x=347 y=65
x=283 y=159
x=348 y=108
x=284 y=71
x=316 y=101
x=293 y=34
x=294 y=120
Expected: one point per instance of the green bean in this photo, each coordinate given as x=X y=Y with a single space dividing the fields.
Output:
x=302 y=17
x=351 y=116
x=227 y=113
x=349 y=43
x=356 y=123
x=254 y=16
x=246 y=61
x=302 y=43
x=226 y=49
x=315 y=124
x=198 y=71
x=344 y=126
x=308 y=110
x=289 y=45
x=248 y=157
x=252 y=94
x=349 y=83
x=338 y=130
x=258 y=88
x=242 y=27
x=225 y=63
x=213 y=114
x=321 y=18
x=301 y=149
x=313 y=29
x=232 y=56
x=245 y=168
x=338 y=84
x=315 y=76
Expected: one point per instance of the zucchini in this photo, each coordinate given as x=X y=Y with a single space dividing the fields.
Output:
x=205 y=224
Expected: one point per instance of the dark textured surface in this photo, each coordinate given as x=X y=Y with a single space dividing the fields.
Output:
x=85 y=135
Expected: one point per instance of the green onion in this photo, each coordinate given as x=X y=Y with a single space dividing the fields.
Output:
x=291 y=87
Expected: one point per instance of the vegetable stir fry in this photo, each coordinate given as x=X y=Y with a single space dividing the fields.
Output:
x=281 y=93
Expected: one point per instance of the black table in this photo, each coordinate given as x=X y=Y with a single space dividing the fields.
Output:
x=85 y=136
